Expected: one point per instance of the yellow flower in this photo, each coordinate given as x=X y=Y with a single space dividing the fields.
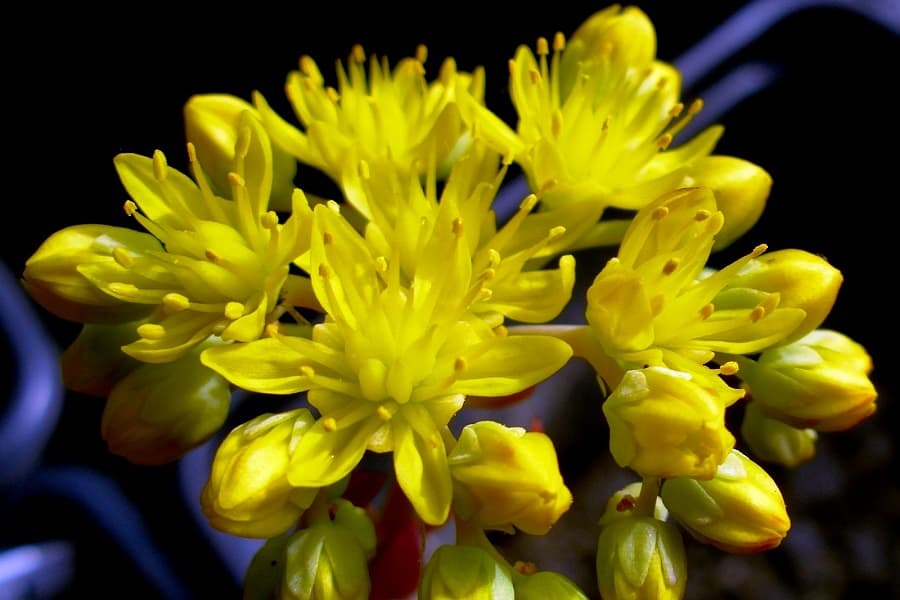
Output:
x=248 y=492
x=640 y=558
x=545 y=585
x=596 y=120
x=392 y=363
x=506 y=477
x=224 y=263
x=774 y=441
x=94 y=362
x=158 y=412
x=651 y=303
x=820 y=381
x=392 y=118
x=212 y=123
x=402 y=213
x=665 y=423
x=740 y=510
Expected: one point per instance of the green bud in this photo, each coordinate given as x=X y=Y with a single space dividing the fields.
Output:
x=740 y=510
x=327 y=562
x=211 y=122
x=94 y=362
x=53 y=276
x=774 y=441
x=820 y=381
x=546 y=585
x=464 y=572
x=641 y=558
x=158 y=412
x=621 y=503
x=265 y=572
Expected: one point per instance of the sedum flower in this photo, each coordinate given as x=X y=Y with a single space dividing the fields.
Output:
x=212 y=123
x=641 y=558
x=456 y=572
x=505 y=477
x=248 y=492
x=665 y=423
x=392 y=363
x=156 y=413
x=740 y=510
x=219 y=271
x=392 y=118
x=650 y=303
x=774 y=441
x=596 y=119
x=545 y=585
x=265 y=573
x=820 y=381
x=402 y=212
x=623 y=502
x=328 y=559
x=94 y=363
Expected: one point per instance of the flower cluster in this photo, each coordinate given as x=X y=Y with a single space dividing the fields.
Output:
x=380 y=314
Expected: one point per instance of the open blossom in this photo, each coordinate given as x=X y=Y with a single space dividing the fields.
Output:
x=392 y=363
x=598 y=116
x=219 y=269
x=392 y=118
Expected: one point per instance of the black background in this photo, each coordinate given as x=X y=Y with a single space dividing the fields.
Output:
x=82 y=85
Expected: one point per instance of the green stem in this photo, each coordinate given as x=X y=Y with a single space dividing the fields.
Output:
x=468 y=534
x=320 y=510
x=646 y=502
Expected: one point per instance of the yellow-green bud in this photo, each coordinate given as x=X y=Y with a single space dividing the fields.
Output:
x=820 y=381
x=641 y=559
x=505 y=477
x=328 y=560
x=545 y=585
x=666 y=423
x=802 y=280
x=94 y=362
x=265 y=573
x=774 y=441
x=158 y=412
x=211 y=123
x=464 y=572
x=54 y=280
x=248 y=493
x=740 y=510
x=621 y=504
x=741 y=189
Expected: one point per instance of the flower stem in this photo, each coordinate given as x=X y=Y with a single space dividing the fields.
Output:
x=646 y=502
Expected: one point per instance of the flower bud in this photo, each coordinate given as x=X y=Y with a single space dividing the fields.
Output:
x=211 y=123
x=774 y=441
x=94 y=362
x=158 y=412
x=820 y=381
x=740 y=510
x=53 y=275
x=248 y=493
x=641 y=558
x=546 y=585
x=505 y=477
x=464 y=572
x=621 y=504
x=802 y=280
x=666 y=423
x=741 y=189
x=265 y=573
x=327 y=561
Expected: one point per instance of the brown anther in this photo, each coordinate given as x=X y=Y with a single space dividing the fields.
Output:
x=626 y=504
x=702 y=215
x=534 y=75
x=212 y=255
x=659 y=212
x=707 y=310
x=329 y=424
x=421 y=53
x=327 y=238
x=357 y=53
x=670 y=266
x=457 y=227
x=664 y=141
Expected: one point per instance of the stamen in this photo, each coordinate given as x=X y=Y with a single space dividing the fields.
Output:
x=501 y=331
x=664 y=141
x=670 y=266
x=512 y=66
x=421 y=53
x=307 y=371
x=535 y=76
x=659 y=212
x=236 y=180
x=559 y=42
x=381 y=264
x=729 y=368
x=556 y=123
x=759 y=250
x=448 y=71
x=327 y=238
x=151 y=331
x=242 y=145
x=307 y=65
x=676 y=110
x=269 y=220
x=123 y=257
x=329 y=424
x=702 y=215
x=757 y=313
x=657 y=303
x=434 y=440
x=234 y=310
x=174 y=302
x=212 y=255
x=324 y=270
x=459 y=365
x=458 y=227
x=357 y=53
x=542 y=46
x=130 y=208
x=273 y=330
x=383 y=413
x=707 y=310
x=493 y=257
x=123 y=289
